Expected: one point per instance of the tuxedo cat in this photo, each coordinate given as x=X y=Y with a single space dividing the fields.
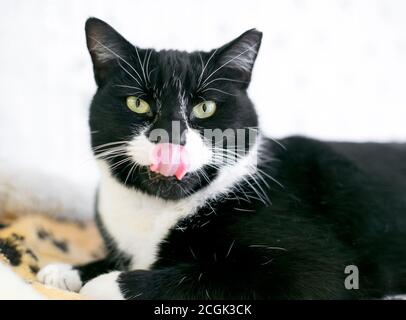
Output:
x=186 y=215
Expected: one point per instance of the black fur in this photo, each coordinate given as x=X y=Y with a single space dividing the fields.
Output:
x=339 y=204
x=111 y=120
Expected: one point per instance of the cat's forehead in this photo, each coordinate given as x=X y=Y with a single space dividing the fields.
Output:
x=172 y=69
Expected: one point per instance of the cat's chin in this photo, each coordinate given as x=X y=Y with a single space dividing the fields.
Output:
x=155 y=184
x=169 y=188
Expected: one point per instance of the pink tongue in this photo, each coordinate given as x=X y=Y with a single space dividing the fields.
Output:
x=170 y=159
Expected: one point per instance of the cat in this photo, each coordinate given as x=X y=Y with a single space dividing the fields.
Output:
x=186 y=215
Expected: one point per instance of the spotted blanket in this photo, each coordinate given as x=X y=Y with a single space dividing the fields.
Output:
x=29 y=242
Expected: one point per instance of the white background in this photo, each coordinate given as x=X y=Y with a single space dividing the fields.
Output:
x=330 y=69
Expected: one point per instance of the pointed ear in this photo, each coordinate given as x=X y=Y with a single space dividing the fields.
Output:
x=241 y=53
x=106 y=46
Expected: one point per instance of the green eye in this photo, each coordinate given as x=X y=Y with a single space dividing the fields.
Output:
x=137 y=105
x=204 y=109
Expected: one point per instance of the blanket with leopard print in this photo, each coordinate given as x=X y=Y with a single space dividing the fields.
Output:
x=29 y=242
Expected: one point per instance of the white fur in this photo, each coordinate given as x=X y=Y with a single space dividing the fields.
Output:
x=140 y=148
x=198 y=152
x=103 y=287
x=60 y=275
x=139 y=222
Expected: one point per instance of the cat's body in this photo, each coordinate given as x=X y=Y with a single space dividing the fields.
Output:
x=282 y=221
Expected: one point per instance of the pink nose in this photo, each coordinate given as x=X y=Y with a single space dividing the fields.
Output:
x=170 y=159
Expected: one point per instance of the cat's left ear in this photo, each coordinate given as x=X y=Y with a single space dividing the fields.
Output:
x=241 y=53
x=106 y=47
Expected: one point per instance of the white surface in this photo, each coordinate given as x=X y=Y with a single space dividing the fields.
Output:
x=14 y=288
x=34 y=190
x=330 y=69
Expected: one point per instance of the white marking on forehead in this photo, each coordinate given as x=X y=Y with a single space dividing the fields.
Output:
x=183 y=104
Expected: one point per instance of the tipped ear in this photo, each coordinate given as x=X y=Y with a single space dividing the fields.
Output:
x=241 y=53
x=106 y=47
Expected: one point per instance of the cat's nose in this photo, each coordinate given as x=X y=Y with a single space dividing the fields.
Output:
x=166 y=138
x=170 y=159
x=163 y=131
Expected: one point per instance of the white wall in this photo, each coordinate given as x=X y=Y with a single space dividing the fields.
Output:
x=331 y=69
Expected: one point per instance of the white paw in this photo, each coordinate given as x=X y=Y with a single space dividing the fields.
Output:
x=60 y=275
x=104 y=287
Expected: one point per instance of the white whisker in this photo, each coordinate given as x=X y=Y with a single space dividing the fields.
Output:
x=218 y=90
x=119 y=57
x=204 y=68
x=229 y=61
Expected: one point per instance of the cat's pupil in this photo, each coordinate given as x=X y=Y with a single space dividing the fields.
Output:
x=204 y=107
x=137 y=102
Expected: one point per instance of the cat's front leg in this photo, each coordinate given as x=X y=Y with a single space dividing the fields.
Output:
x=72 y=278
x=104 y=287
x=178 y=282
x=60 y=275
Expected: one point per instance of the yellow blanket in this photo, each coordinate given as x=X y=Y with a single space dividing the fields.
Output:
x=29 y=242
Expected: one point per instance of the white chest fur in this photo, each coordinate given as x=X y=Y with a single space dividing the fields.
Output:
x=139 y=222
x=136 y=221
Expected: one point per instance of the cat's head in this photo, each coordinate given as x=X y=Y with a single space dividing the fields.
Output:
x=164 y=121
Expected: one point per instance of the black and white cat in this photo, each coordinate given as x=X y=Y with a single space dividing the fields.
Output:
x=187 y=217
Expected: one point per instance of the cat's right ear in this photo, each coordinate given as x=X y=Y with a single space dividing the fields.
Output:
x=107 y=48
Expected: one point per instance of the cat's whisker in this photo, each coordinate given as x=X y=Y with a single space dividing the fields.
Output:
x=204 y=68
x=111 y=149
x=119 y=57
x=142 y=66
x=218 y=90
x=145 y=59
x=126 y=86
x=204 y=175
x=262 y=196
x=109 y=144
x=138 y=94
x=201 y=59
x=222 y=79
x=129 y=172
x=279 y=143
x=252 y=176
x=147 y=66
x=111 y=153
x=250 y=48
x=262 y=172
x=121 y=162
x=150 y=72
x=126 y=71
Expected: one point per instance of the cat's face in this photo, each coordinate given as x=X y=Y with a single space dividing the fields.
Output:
x=163 y=121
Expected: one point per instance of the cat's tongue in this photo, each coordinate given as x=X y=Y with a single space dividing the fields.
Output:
x=170 y=160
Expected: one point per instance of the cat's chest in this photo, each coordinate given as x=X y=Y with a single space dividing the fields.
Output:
x=138 y=222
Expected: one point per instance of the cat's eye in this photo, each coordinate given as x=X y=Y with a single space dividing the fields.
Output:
x=137 y=105
x=204 y=109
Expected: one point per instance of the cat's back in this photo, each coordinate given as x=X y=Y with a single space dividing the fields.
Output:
x=382 y=162
x=364 y=179
x=386 y=161
x=343 y=201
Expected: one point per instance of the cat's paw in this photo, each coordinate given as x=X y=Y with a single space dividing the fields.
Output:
x=103 y=287
x=60 y=275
